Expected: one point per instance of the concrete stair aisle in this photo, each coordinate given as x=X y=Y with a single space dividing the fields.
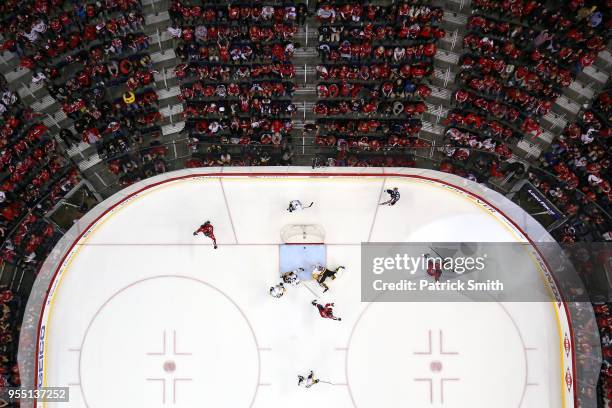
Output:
x=446 y=60
x=587 y=85
x=8 y=61
x=451 y=41
x=579 y=94
x=168 y=86
x=604 y=60
x=458 y=6
x=161 y=50
x=573 y=100
x=456 y=15
x=155 y=7
x=38 y=98
x=446 y=68
x=305 y=59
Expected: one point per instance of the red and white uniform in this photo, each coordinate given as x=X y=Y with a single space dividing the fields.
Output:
x=434 y=270
x=208 y=230
x=327 y=311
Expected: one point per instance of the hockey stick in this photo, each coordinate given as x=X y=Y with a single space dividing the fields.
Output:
x=441 y=257
x=311 y=291
x=437 y=253
x=327 y=382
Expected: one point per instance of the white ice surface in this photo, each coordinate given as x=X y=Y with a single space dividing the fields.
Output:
x=140 y=279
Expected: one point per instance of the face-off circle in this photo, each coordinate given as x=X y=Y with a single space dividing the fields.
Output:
x=437 y=360
x=163 y=338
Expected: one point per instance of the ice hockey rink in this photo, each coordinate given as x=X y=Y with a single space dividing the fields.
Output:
x=141 y=313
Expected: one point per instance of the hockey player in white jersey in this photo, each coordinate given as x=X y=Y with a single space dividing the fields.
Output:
x=277 y=291
x=308 y=381
x=292 y=277
x=394 y=196
x=296 y=205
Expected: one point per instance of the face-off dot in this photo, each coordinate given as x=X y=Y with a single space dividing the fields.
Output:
x=435 y=366
x=169 y=366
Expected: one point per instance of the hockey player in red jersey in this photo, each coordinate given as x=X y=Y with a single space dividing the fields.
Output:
x=208 y=230
x=327 y=311
x=433 y=269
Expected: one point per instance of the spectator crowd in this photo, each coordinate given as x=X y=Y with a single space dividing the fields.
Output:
x=35 y=175
x=580 y=162
x=92 y=59
x=373 y=81
x=603 y=314
x=10 y=312
x=518 y=57
x=236 y=80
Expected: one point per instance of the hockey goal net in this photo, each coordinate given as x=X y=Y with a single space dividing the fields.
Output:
x=302 y=234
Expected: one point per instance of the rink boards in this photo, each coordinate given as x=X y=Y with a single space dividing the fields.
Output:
x=132 y=287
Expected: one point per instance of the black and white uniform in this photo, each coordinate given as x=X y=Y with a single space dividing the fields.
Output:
x=292 y=277
x=277 y=291
x=394 y=197
x=308 y=381
x=321 y=274
x=295 y=205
